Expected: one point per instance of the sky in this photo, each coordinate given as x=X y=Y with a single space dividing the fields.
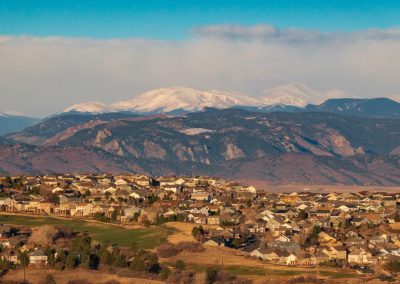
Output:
x=57 y=53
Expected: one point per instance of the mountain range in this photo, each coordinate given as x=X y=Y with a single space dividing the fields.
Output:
x=289 y=134
x=258 y=147
x=183 y=99
x=294 y=97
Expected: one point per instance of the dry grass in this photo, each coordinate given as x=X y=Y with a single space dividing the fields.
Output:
x=240 y=262
x=183 y=232
x=35 y=276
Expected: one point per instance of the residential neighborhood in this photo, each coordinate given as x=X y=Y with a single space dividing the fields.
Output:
x=351 y=230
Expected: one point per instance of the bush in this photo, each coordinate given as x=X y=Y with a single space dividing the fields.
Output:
x=49 y=279
x=145 y=262
x=167 y=250
x=178 y=276
x=393 y=266
x=165 y=273
x=189 y=246
x=180 y=264
x=212 y=275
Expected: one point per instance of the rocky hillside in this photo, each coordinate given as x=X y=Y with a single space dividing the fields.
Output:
x=269 y=147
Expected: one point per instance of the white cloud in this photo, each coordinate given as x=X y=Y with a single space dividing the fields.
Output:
x=295 y=36
x=43 y=75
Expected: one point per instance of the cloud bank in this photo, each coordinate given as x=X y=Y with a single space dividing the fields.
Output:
x=43 y=75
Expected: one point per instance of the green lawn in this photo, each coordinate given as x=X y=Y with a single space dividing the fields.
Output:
x=105 y=233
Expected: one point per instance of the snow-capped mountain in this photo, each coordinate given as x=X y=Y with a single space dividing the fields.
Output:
x=298 y=95
x=183 y=98
x=91 y=107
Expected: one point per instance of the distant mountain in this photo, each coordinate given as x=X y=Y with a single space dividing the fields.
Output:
x=279 y=147
x=379 y=107
x=176 y=100
x=91 y=107
x=170 y=100
x=13 y=122
x=297 y=95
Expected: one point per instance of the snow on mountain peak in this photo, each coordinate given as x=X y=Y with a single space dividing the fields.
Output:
x=298 y=94
x=90 y=107
x=183 y=98
x=177 y=98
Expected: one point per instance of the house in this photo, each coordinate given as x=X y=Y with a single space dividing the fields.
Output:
x=143 y=181
x=201 y=195
x=37 y=258
x=359 y=256
x=213 y=220
x=173 y=188
x=70 y=197
x=338 y=252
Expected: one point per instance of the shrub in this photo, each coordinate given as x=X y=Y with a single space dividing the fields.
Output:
x=145 y=262
x=167 y=250
x=393 y=265
x=165 y=273
x=189 y=246
x=180 y=264
x=212 y=275
x=49 y=279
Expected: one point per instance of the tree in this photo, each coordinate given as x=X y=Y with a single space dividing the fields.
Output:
x=118 y=259
x=136 y=216
x=236 y=243
x=114 y=215
x=303 y=215
x=104 y=256
x=313 y=236
x=71 y=261
x=23 y=259
x=51 y=259
x=146 y=262
x=61 y=256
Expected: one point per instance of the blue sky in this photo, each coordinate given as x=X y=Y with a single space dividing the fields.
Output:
x=175 y=20
x=57 y=53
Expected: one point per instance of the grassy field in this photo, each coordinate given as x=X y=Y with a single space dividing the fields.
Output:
x=105 y=233
x=243 y=270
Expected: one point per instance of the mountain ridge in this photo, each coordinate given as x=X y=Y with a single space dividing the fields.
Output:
x=278 y=148
x=294 y=97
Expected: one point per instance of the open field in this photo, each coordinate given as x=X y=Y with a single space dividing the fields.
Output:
x=36 y=276
x=240 y=264
x=102 y=232
x=183 y=232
